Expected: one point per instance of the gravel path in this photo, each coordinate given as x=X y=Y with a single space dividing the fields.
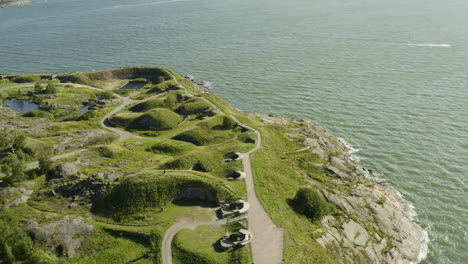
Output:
x=267 y=241
x=166 y=246
x=267 y=237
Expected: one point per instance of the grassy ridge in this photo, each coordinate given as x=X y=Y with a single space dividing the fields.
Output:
x=156 y=190
x=103 y=78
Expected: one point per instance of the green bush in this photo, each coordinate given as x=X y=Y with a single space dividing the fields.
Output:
x=51 y=89
x=45 y=165
x=88 y=115
x=37 y=88
x=37 y=113
x=310 y=203
x=17 y=247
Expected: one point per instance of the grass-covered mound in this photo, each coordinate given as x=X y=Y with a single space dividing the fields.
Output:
x=170 y=102
x=155 y=74
x=123 y=119
x=156 y=189
x=212 y=131
x=170 y=147
x=207 y=161
x=194 y=106
x=157 y=119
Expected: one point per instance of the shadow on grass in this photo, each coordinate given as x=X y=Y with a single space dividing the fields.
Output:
x=136 y=237
x=218 y=248
x=195 y=202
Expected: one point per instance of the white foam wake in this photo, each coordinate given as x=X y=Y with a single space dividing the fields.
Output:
x=430 y=45
x=144 y=4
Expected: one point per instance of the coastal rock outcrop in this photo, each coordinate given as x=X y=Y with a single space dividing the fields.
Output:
x=375 y=225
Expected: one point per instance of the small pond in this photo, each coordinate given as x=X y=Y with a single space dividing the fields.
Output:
x=82 y=109
x=21 y=106
x=133 y=86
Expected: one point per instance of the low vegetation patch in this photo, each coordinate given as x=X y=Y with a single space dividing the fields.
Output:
x=171 y=147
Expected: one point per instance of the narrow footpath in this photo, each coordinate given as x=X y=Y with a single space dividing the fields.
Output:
x=267 y=238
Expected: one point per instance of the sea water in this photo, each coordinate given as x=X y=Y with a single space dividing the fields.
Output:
x=390 y=77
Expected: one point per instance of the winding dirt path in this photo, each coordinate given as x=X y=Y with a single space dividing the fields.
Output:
x=166 y=245
x=267 y=237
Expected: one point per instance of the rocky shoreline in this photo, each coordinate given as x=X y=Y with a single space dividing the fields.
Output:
x=5 y=4
x=377 y=225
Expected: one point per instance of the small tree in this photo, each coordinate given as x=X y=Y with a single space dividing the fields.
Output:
x=11 y=140
x=51 y=89
x=310 y=203
x=37 y=88
x=45 y=165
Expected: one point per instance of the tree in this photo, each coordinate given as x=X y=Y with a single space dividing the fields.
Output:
x=37 y=88
x=310 y=203
x=14 y=169
x=11 y=140
x=51 y=89
x=45 y=165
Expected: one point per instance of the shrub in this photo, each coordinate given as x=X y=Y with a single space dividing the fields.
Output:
x=310 y=203
x=36 y=113
x=88 y=115
x=51 y=89
x=17 y=247
x=37 y=87
x=45 y=165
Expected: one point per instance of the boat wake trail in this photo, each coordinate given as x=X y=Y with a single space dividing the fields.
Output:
x=144 y=4
x=430 y=45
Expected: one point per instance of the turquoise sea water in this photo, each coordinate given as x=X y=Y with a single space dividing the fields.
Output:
x=390 y=77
